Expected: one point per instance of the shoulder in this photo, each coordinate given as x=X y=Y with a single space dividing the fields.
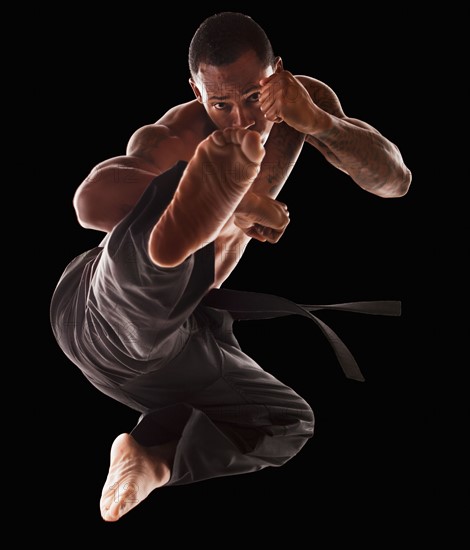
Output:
x=183 y=124
x=180 y=117
x=322 y=94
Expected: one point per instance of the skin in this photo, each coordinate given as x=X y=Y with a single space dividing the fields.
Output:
x=248 y=123
x=212 y=187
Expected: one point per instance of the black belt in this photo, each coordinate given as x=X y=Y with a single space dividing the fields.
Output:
x=255 y=305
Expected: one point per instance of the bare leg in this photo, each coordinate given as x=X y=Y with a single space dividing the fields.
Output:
x=134 y=472
x=213 y=184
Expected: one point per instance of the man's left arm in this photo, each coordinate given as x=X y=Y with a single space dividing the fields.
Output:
x=355 y=147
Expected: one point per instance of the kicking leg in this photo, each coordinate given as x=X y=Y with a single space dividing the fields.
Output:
x=213 y=184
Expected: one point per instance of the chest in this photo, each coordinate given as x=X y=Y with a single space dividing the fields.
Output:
x=229 y=248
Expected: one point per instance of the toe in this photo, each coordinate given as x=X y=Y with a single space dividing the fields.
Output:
x=252 y=147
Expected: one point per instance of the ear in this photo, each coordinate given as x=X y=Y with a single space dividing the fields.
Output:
x=278 y=66
x=196 y=90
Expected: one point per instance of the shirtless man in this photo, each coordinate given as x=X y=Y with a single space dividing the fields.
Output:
x=236 y=145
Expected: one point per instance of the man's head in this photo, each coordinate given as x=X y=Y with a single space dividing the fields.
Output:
x=228 y=56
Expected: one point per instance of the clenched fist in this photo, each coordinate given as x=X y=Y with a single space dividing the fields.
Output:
x=284 y=98
x=261 y=217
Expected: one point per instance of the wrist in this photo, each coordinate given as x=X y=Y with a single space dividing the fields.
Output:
x=248 y=202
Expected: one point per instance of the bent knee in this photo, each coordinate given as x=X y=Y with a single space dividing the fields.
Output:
x=299 y=421
x=306 y=419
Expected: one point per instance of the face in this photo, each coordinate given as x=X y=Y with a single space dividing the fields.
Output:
x=230 y=94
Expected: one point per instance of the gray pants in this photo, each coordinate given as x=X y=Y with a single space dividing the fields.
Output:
x=143 y=335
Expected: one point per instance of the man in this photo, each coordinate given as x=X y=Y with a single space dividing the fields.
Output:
x=143 y=315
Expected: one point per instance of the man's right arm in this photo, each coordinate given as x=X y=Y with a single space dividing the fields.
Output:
x=259 y=215
x=114 y=186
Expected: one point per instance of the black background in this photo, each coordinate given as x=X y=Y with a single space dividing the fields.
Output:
x=366 y=474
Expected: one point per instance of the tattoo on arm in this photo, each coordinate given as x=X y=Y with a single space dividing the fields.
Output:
x=326 y=99
x=325 y=151
x=282 y=150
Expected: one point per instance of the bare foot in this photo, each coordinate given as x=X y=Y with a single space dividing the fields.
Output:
x=134 y=472
x=213 y=184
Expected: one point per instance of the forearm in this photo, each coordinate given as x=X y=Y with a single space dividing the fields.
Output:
x=371 y=160
x=282 y=151
x=259 y=214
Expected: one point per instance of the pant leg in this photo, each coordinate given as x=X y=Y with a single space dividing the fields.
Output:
x=228 y=415
x=115 y=314
x=137 y=332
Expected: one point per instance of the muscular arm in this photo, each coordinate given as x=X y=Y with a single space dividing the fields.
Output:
x=259 y=215
x=114 y=186
x=259 y=205
x=353 y=146
x=282 y=151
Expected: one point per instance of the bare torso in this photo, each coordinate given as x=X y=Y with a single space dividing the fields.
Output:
x=153 y=149
x=114 y=186
x=188 y=125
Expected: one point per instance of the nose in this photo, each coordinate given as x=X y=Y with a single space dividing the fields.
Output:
x=241 y=119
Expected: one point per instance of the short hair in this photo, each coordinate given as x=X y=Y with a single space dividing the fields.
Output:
x=222 y=38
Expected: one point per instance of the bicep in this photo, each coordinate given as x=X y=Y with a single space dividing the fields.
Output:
x=325 y=98
x=113 y=187
x=110 y=192
x=322 y=95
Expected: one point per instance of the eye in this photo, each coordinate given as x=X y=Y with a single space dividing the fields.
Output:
x=253 y=98
x=220 y=106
